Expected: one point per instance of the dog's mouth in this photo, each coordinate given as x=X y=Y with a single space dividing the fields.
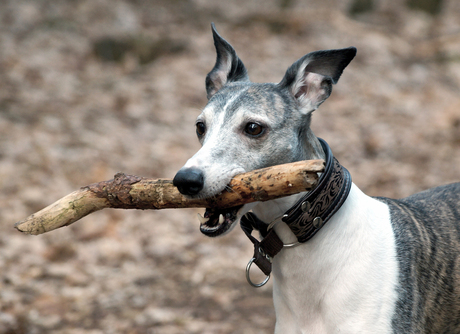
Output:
x=218 y=221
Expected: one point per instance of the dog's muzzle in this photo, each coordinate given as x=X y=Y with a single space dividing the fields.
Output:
x=190 y=181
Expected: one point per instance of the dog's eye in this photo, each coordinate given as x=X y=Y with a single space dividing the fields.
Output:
x=200 y=129
x=254 y=129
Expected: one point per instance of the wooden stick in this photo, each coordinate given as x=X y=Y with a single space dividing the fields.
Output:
x=133 y=192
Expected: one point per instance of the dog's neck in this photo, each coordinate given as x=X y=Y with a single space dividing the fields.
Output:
x=309 y=289
x=312 y=148
x=271 y=210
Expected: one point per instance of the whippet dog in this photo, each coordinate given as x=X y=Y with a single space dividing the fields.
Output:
x=361 y=264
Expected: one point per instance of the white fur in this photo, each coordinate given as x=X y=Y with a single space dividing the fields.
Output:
x=343 y=280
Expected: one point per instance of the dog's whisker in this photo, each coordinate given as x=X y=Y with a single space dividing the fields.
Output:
x=229 y=188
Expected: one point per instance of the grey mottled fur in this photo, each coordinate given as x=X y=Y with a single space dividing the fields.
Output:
x=427 y=232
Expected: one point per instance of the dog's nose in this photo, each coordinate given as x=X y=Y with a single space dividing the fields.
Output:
x=189 y=181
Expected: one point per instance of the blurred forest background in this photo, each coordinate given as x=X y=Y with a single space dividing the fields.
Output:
x=93 y=87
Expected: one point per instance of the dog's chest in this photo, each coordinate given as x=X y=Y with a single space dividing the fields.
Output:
x=344 y=279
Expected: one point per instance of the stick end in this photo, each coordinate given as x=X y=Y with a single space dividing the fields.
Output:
x=26 y=228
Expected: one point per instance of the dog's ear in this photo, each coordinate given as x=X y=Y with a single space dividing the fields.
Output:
x=228 y=67
x=310 y=78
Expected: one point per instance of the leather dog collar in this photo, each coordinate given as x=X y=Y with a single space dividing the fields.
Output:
x=315 y=209
x=305 y=218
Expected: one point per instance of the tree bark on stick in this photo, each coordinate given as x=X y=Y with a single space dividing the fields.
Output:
x=133 y=192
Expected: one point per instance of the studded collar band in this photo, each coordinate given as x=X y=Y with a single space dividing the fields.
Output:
x=315 y=209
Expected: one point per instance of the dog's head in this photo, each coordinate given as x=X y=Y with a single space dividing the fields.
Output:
x=246 y=126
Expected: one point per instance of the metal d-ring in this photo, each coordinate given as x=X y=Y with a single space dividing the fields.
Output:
x=280 y=219
x=276 y=221
x=248 y=278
